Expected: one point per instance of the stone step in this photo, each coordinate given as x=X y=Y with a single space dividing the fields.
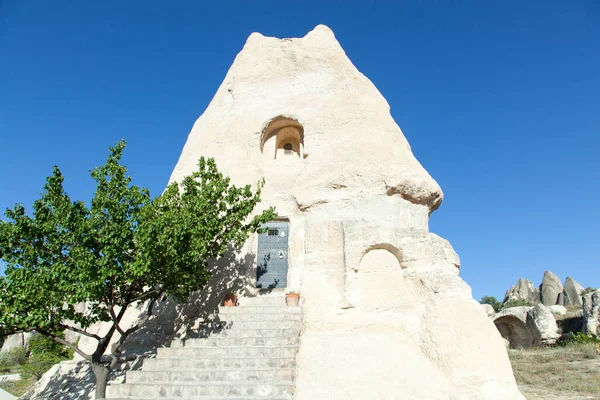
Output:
x=235 y=374
x=262 y=324
x=227 y=352
x=247 y=316
x=188 y=364
x=265 y=333
x=268 y=309
x=217 y=341
x=286 y=397
x=158 y=390
x=271 y=300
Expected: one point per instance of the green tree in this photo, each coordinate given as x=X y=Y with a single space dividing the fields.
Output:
x=492 y=301
x=125 y=247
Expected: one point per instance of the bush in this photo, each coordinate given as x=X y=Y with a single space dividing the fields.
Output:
x=492 y=301
x=588 y=290
x=44 y=353
x=12 y=359
x=518 y=303
x=582 y=338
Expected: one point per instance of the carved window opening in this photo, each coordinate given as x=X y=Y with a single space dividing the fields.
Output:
x=273 y=232
x=283 y=137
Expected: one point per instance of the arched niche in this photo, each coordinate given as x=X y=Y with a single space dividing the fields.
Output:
x=283 y=138
x=380 y=279
x=515 y=332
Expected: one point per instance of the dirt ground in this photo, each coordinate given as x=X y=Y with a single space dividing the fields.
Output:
x=558 y=373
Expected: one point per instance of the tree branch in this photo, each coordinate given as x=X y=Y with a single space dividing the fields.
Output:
x=81 y=331
x=65 y=343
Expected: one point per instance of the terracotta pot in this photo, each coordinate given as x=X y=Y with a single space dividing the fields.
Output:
x=292 y=299
x=230 y=300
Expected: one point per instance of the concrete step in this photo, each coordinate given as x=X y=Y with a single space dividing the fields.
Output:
x=268 y=309
x=247 y=316
x=226 y=352
x=230 y=374
x=158 y=390
x=217 y=341
x=188 y=364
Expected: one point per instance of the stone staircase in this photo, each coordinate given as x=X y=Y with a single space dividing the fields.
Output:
x=249 y=354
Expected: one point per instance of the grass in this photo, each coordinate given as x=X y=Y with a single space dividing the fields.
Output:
x=17 y=388
x=572 y=370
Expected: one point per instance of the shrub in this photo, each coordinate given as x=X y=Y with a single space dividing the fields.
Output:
x=588 y=290
x=492 y=301
x=12 y=359
x=581 y=338
x=44 y=353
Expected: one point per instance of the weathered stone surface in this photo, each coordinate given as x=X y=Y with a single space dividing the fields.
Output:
x=543 y=324
x=558 y=310
x=550 y=288
x=358 y=203
x=523 y=290
x=512 y=324
x=591 y=312
x=572 y=292
x=16 y=340
x=489 y=310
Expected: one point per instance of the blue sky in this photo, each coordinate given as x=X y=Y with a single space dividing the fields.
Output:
x=500 y=101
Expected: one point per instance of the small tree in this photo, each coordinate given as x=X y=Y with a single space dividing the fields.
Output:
x=122 y=249
x=492 y=301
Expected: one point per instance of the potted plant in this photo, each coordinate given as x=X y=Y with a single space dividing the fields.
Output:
x=292 y=298
x=230 y=300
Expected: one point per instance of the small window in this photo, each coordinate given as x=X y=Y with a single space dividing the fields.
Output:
x=289 y=149
x=273 y=232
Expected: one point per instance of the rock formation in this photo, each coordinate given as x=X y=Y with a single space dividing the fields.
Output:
x=572 y=293
x=550 y=288
x=591 y=312
x=523 y=290
x=385 y=310
x=489 y=310
x=543 y=325
x=524 y=326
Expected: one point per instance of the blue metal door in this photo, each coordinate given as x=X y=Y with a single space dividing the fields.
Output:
x=272 y=261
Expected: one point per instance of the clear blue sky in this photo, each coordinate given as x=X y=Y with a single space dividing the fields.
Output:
x=500 y=101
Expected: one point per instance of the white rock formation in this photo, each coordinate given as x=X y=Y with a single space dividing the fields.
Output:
x=572 y=292
x=523 y=290
x=558 y=310
x=16 y=340
x=591 y=312
x=512 y=324
x=550 y=289
x=386 y=312
x=489 y=310
x=543 y=325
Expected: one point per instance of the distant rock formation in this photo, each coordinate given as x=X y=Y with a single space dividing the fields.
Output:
x=572 y=293
x=591 y=312
x=550 y=288
x=524 y=327
x=523 y=290
x=550 y=292
x=538 y=316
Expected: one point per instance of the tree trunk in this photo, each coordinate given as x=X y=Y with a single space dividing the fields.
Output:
x=101 y=374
